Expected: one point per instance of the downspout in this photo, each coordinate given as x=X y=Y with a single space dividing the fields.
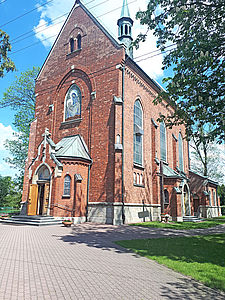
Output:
x=122 y=175
x=88 y=187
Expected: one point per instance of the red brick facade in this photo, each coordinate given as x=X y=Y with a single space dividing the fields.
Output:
x=108 y=193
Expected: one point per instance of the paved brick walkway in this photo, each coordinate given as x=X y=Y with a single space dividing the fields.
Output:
x=55 y=262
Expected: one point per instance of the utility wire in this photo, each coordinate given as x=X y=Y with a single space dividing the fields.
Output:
x=31 y=31
x=28 y=12
x=60 y=22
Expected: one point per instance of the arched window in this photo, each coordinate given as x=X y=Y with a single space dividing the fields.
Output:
x=138 y=178
x=118 y=139
x=162 y=141
x=210 y=198
x=214 y=198
x=71 y=45
x=166 y=197
x=181 y=159
x=67 y=184
x=130 y=30
x=134 y=177
x=73 y=102
x=43 y=173
x=79 y=41
x=138 y=133
x=126 y=29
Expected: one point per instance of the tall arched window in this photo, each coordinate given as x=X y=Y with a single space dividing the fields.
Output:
x=166 y=197
x=162 y=141
x=79 y=41
x=73 y=102
x=210 y=198
x=67 y=184
x=214 y=198
x=181 y=159
x=138 y=133
x=71 y=45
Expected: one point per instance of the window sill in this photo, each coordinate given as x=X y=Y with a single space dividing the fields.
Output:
x=140 y=167
x=65 y=196
x=69 y=122
x=139 y=185
x=72 y=54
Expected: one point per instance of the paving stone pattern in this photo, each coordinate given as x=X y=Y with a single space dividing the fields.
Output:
x=82 y=262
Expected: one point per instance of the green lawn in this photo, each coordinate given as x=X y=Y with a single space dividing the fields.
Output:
x=201 y=257
x=183 y=225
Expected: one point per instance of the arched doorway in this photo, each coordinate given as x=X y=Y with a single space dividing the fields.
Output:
x=186 y=201
x=38 y=202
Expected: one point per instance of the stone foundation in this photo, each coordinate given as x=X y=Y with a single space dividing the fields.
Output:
x=209 y=211
x=111 y=213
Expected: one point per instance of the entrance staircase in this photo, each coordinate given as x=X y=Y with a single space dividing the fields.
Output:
x=192 y=219
x=33 y=220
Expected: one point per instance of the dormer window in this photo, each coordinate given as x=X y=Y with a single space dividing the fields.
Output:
x=71 y=45
x=78 y=42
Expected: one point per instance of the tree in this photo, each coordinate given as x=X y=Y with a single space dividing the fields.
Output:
x=6 y=64
x=191 y=34
x=206 y=160
x=20 y=96
x=221 y=193
x=10 y=194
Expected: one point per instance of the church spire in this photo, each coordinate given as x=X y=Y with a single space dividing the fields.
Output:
x=125 y=24
x=125 y=10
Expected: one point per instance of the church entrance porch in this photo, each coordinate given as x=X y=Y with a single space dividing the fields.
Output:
x=38 y=202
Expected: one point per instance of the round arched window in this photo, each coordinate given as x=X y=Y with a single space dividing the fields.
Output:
x=73 y=102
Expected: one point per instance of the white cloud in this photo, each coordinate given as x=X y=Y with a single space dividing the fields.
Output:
x=6 y=132
x=107 y=12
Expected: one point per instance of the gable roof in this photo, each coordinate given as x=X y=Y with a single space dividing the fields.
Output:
x=72 y=147
x=93 y=18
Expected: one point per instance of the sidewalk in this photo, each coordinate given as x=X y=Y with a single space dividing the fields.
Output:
x=82 y=262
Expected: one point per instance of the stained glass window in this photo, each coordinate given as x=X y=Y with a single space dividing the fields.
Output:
x=67 y=182
x=181 y=160
x=73 y=102
x=138 y=133
x=162 y=141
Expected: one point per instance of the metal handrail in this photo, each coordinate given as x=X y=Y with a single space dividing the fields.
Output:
x=60 y=206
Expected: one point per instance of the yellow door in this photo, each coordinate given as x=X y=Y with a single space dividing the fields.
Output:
x=46 y=199
x=32 y=202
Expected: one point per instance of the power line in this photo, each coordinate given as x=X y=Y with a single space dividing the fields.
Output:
x=60 y=22
x=31 y=31
x=2 y=1
x=28 y=12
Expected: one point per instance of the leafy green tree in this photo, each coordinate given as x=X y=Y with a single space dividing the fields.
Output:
x=221 y=193
x=10 y=194
x=20 y=97
x=191 y=34
x=6 y=64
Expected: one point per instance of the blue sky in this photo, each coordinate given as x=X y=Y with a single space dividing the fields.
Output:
x=32 y=35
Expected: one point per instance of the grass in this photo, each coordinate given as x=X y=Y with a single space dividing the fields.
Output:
x=184 y=225
x=201 y=257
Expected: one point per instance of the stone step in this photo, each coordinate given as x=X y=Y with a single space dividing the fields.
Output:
x=32 y=220
x=192 y=219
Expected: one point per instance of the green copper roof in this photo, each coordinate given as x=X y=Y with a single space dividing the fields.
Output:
x=125 y=10
x=72 y=147
x=168 y=172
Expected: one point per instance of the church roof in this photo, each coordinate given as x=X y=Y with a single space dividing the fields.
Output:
x=125 y=10
x=168 y=172
x=72 y=147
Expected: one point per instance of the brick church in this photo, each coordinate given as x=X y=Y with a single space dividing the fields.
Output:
x=97 y=152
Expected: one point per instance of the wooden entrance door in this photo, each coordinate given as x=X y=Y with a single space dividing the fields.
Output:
x=43 y=199
x=32 y=202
